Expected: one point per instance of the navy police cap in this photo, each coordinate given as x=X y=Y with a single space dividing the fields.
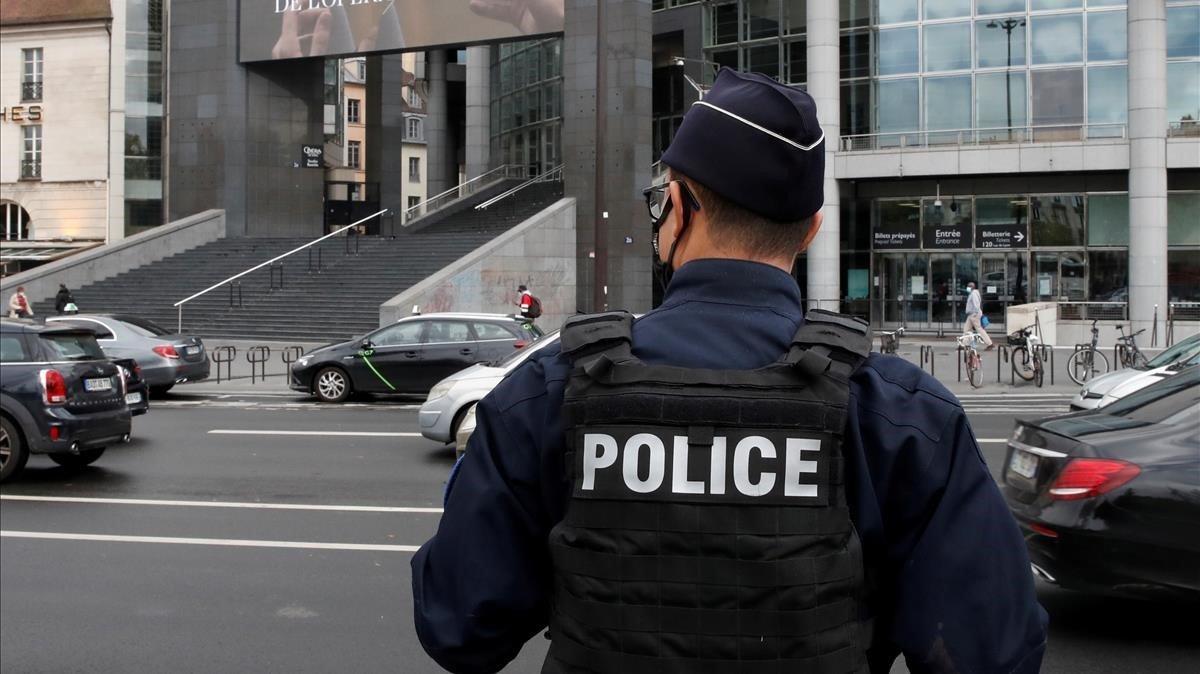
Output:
x=755 y=142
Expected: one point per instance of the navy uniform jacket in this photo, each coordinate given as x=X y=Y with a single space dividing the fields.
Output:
x=955 y=592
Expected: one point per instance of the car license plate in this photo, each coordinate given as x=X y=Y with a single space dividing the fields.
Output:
x=133 y=398
x=104 y=384
x=192 y=350
x=1024 y=464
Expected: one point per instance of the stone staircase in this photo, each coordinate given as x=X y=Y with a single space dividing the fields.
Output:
x=338 y=300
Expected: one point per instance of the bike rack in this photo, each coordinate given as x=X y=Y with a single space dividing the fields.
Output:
x=258 y=356
x=311 y=266
x=927 y=357
x=1002 y=357
x=273 y=267
x=1119 y=351
x=238 y=303
x=224 y=355
x=289 y=355
x=1046 y=354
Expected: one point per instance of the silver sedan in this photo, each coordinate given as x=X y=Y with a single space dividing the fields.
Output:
x=451 y=400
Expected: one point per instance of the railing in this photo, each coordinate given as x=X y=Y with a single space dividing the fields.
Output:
x=31 y=92
x=1180 y=311
x=549 y=176
x=1185 y=128
x=1093 y=311
x=987 y=136
x=31 y=169
x=466 y=189
x=179 y=305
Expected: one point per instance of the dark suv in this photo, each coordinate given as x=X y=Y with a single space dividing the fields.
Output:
x=59 y=395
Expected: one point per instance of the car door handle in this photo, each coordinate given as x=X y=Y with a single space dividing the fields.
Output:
x=466 y=352
x=410 y=354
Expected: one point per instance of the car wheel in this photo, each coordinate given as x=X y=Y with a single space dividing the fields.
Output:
x=331 y=385
x=458 y=419
x=85 y=457
x=158 y=391
x=13 y=453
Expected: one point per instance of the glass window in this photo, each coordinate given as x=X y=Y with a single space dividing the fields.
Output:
x=1106 y=36
x=1000 y=100
x=1057 y=97
x=72 y=346
x=895 y=11
x=856 y=54
x=1057 y=39
x=1110 y=275
x=947 y=9
x=1183 y=92
x=794 y=16
x=898 y=51
x=1183 y=275
x=1047 y=276
x=12 y=349
x=441 y=332
x=855 y=13
x=723 y=23
x=947 y=47
x=487 y=331
x=762 y=18
x=948 y=102
x=31 y=151
x=797 y=62
x=764 y=60
x=856 y=108
x=723 y=59
x=1107 y=101
x=1073 y=270
x=1183 y=31
x=1057 y=220
x=897 y=106
x=353 y=153
x=403 y=334
x=1013 y=210
x=994 y=38
x=1108 y=220
x=1183 y=218
x=1035 y=5
x=999 y=6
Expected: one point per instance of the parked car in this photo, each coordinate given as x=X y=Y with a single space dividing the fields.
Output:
x=59 y=395
x=443 y=415
x=409 y=356
x=166 y=358
x=1108 y=499
x=137 y=394
x=1146 y=378
x=463 y=434
x=1092 y=394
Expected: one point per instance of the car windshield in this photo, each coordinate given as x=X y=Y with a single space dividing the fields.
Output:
x=1170 y=401
x=1185 y=349
x=73 y=346
x=517 y=357
x=143 y=327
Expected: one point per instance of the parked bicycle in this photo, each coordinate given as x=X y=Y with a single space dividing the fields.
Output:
x=1025 y=361
x=1127 y=349
x=889 y=341
x=971 y=359
x=1088 y=362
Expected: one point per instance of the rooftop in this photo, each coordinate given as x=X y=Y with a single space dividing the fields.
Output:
x=30 y=12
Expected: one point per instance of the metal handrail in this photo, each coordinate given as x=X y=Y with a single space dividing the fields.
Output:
x=979 y=136
x=545 y=177
x=180 y=303
x=463 y=190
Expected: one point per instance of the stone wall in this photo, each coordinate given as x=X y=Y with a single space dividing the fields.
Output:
x=539 y=253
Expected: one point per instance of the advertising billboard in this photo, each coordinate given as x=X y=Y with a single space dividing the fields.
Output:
x=271 y=30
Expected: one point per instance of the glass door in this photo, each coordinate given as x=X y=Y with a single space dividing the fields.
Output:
x=941 y=281
x=918 y=289
x=892 y=288
x=1047 y=277
x=993 y=284
x=966 y=270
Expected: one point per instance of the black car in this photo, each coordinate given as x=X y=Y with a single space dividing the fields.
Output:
x=59 y=395
x=137 y=393
x=1109 y=499
x=409 y=356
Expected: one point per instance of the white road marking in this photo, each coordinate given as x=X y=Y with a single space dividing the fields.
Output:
x=228 y=542
x=222 y=504
x=350 y=434
x=991 y=440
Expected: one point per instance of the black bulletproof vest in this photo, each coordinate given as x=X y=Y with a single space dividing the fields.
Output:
x=707 y=529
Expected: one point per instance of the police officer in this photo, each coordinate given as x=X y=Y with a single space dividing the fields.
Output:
x=727 y=484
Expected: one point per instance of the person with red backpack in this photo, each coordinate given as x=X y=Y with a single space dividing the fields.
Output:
x=531 y=307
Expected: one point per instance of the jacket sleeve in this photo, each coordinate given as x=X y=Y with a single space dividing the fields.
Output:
x=480 y=587
x=962 y=596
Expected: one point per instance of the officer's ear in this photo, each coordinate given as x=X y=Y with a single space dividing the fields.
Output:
x=681 y=213
x=814 y=225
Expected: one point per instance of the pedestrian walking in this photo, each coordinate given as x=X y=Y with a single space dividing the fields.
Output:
x=727 y=484
x=63 y=301
x=974 y=322
x=19 y=305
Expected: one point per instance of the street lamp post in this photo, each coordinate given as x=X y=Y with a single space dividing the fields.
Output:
x=1008 y=25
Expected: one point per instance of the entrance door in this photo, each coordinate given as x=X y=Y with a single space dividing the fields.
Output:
x=892 y=288
x=993 y=284
x=941 y=278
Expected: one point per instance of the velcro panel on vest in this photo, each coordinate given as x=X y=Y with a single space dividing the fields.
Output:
x=705 y=570
x=594 y=333
x=593 y=660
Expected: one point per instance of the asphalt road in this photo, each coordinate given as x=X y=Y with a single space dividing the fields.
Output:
x=268 y=534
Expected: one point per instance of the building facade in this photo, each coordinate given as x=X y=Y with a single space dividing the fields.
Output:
x=1044 y=149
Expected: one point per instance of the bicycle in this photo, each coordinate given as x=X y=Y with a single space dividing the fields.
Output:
x=1025 y=361
x=1089 y=362
x=1128 y=351
x=889 y=341
x=971 y=359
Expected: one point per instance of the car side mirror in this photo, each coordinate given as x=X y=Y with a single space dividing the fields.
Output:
x=366 y=343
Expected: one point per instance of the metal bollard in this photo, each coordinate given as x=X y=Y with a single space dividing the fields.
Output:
x=926 y=356
x=1001 y=358
x=289 y=355
x=224 y=355
x=258 y=356
x=959 y=358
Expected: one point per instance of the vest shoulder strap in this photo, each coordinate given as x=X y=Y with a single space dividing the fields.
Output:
x=826 y=338
x=587 y=337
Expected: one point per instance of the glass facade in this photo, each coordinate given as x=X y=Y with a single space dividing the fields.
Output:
x=143 y=115
x=526 y=100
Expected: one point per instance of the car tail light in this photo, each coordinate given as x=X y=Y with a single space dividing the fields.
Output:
x=1088 y=478
x=166 y=351
x=520 y=344
x=54 y=387
x=55 y=433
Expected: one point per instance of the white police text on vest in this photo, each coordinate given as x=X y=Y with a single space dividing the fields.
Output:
x=663 y=464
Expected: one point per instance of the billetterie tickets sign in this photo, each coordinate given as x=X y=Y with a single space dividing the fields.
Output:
x=271 y=30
